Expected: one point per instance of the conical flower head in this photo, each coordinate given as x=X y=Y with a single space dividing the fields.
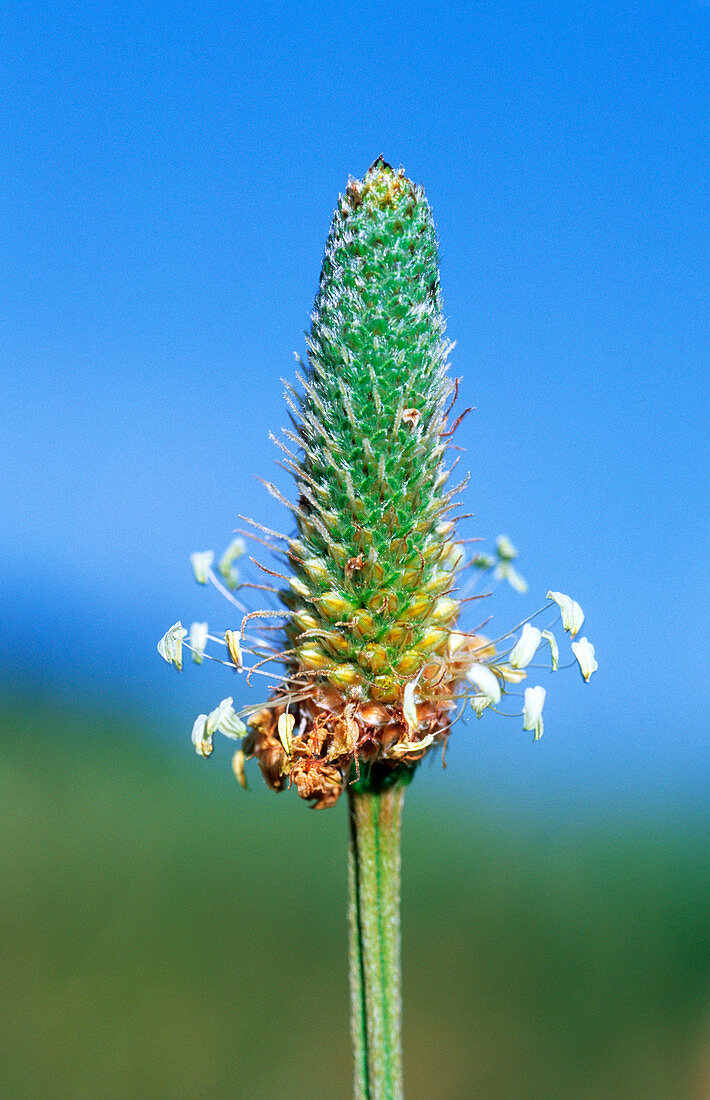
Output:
x=374 y=563
x=373 y=663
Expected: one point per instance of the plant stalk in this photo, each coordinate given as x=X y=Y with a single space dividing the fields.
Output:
x=375 y=970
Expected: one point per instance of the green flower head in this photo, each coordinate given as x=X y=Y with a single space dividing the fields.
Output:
x=371 y=668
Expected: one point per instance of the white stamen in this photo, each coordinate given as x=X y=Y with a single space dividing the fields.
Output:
x=198 y=641
x=526 y=646
x=584 y=652
x=572 y=614
x=170 y=645
x=554 y=648
x=532 y=710
x=201 y=562
x=486 y=681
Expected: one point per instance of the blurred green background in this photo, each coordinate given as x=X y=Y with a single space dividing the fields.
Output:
x=165 y=934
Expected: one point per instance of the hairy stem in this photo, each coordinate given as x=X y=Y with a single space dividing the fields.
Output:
x=375 y=975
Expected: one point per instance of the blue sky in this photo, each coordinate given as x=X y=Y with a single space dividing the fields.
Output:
x=169 y=175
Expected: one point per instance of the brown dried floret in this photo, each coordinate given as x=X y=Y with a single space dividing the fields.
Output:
x=315 y=780
x=262 y=741
x=332 y=739
x=353 y=565
x=345 y=735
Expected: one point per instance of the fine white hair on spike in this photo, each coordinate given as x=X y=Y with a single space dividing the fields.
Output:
x=297 y=412
x=308 y=495
x=292 y=436
x=283 y=447
x=313 y=395
x=350 y=490
x=367 y=448
x=266 y=530
x=302 y=476
x=347 y=405
x=460 y=487
x=320 y=528
x=271 y=488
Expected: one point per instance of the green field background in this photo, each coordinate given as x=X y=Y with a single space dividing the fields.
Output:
x=165 y=934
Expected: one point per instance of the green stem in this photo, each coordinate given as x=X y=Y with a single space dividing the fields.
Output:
x=375 y=973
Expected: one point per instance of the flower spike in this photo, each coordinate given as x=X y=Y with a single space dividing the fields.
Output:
x=369 y=662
